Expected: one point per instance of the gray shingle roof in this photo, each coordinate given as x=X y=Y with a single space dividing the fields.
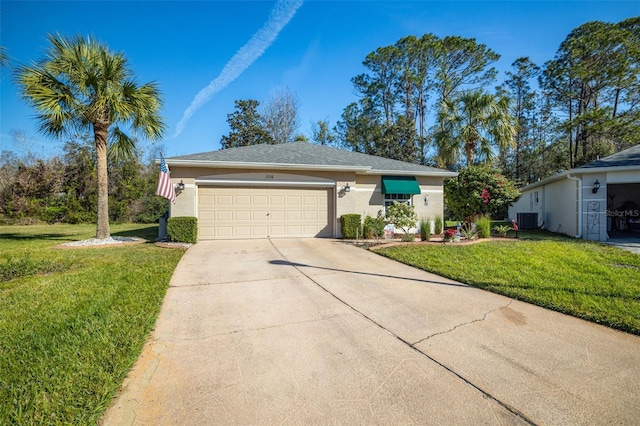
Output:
x=628 y=157
x=305 y=155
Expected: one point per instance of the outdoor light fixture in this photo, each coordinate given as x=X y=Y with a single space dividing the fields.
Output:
x=596 y=186
x=426 y=200
x=180 y=186
x=344 y=189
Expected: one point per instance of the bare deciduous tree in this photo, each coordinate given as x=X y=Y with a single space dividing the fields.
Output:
x=280 y=116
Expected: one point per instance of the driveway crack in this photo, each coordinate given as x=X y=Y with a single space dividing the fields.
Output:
x=485 y=393
x=484 y=317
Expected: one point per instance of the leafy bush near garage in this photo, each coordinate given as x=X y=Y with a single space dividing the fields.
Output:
x=351 y=227
x=373 y=227
x=183 y=229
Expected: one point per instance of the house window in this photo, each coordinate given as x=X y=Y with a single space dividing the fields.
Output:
x=399 y=198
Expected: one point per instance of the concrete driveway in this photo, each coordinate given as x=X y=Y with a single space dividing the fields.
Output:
x=313 y=331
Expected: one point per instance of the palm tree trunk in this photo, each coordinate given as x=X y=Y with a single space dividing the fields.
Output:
x=100 y=132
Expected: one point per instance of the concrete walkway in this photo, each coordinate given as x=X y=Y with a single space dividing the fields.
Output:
x=318 y=331
x=629 y=243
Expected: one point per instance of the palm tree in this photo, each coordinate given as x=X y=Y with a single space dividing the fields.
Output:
x=81 y=85
x=4 y=60
x=473 y=123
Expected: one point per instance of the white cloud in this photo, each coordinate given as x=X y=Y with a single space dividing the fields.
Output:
x=244 y=57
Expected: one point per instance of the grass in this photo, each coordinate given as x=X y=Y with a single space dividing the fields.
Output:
x=589 y=280
x=72 y=322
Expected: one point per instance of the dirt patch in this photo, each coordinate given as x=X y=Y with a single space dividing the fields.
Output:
x=513 y=316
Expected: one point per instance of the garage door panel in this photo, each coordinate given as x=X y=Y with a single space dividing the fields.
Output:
x=243 y=215
x=227 y=212
x=221 y=231
x=277 y=215
x=243 y=200
x=294 y=215
x=277 y=200
x=260 y=215
x=294 y=200
x=221 y=200
x=260 y=200
x=223 y=215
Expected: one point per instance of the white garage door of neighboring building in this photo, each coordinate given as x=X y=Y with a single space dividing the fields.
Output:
x=259 y=212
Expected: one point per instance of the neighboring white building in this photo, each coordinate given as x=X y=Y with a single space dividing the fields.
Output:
x=595 y=202
x=295 y=189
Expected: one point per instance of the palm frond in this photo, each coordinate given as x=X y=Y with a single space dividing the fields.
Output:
x=121 y=146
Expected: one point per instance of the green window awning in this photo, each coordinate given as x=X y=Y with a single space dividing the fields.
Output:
x=400 y=185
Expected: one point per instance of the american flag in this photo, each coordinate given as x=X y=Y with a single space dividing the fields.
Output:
x=165 y=187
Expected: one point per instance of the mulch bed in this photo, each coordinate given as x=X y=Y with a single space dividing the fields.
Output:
x=374 y=245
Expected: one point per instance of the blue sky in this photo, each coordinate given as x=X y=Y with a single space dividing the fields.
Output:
x=312 y=47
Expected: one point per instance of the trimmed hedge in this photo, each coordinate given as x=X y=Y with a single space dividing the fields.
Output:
x=183 y=229
x=373 y=227
x=350 y=224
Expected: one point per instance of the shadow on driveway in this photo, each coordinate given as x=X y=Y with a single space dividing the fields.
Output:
x=302 y=265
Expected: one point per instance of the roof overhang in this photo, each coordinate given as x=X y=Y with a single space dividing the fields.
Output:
x=260 y=179
x=304 y=167
x=579 y=171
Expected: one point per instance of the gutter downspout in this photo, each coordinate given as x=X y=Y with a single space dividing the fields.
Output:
x=579 y=180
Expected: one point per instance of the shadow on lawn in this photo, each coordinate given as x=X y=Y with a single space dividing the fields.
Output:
x=17 y=236
x=148 y=232
x=538 y=235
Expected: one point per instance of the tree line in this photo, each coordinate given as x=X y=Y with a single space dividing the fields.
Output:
x=434 y=101
x=426 y=100
x=64 y=188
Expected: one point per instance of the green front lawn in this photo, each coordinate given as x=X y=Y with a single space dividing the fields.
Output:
x=72 y=322
x=593 y=281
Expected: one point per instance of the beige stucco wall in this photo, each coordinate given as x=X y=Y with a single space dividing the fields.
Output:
x=364 y=198
x=556 y=204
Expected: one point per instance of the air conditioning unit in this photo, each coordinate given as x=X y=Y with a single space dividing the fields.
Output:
x=527 y=220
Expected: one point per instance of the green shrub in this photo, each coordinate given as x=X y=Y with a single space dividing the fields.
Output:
x=402 y=215
x=183 y=229
x=468 y=231
x=479 y=190
x=438 y=225
x=408 y=237
x=351 y=227
x=425 y=229
x=373 y=227
x=483 y=225
x=502 y=230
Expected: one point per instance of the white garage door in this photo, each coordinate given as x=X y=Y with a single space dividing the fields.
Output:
x=242 y=212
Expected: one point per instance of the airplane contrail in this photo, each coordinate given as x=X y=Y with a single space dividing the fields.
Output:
x=281 y=14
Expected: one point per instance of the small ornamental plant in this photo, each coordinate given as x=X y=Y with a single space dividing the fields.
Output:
x=438 y=225
x=501 y=230
x=450 y=234
x=403 y=216
x=468 y=231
